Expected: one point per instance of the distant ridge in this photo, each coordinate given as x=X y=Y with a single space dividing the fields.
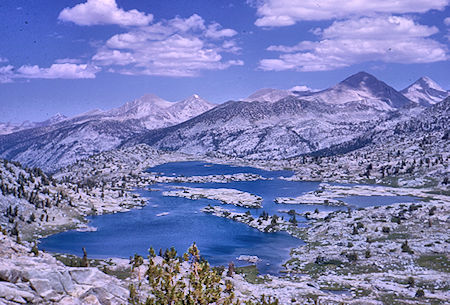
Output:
x=6 y=128
x=269 y=124
x=63 y=141
x=275 y=124
x=268 y=95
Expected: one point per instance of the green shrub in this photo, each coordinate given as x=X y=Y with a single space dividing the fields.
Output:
x=420 y=293
x=406 y=248
x=410 y=281
x=352 y=257
x=200 y=284
x=35 y=250
x=432 y=210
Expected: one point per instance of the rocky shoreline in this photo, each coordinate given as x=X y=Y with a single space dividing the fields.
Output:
x=376 y=255
x=397 y=252
x=263 y=223
x=28 y=276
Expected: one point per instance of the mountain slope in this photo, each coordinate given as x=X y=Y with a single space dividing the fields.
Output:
x=270 y=124
x=154 y=112
x=280 y=124
x=281 y=129
x=365 y=89
x=425 y=92
x=414 y=152
x=61 y=144
x=268 y=95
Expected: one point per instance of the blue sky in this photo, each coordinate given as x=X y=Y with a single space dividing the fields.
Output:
x=71 y=56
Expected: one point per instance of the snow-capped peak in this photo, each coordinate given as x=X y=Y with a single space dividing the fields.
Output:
x=56 y=118
x=362 y=88
x=361 y=80
x=425 y=92
x=425 y=81
x=193 y=98
x=153 y=100
x=155 y=112
x=141 y=107
x=89 y=113
x=190 y=107
x=268 y=95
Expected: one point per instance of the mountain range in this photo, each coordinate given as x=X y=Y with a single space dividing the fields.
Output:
x=269 y=124
x=8 y=127
x=276 y=124
x=60 y=144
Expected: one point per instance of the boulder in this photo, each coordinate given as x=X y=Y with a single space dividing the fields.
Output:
x=60 y=281
x=9 y=275
x=69 y=300
x=91 y=300
x=104 y=296
x=44 y=288
x=89 y=276
x=66 y=281
x=11 y=292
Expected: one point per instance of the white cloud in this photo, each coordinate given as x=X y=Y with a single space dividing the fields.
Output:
x=67 y=70
x=214 y=31
x=6 y=73
x=390 y=27
x=107 y=57
x=287 y=12
x=447 y=23
x=95 y=12
x=302 y=88
x=176 y=47
x=230 y=46
x=195 y=22
x=64 y=70
x=68 y=61
x=383 y=38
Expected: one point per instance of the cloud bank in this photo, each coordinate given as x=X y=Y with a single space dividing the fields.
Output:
x=64 y=71
x=385 y=38
x=275 y=13
x=97 y=12
x=179 y=47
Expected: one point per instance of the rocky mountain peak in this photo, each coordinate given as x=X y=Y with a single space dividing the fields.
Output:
x=141 y=107
x=154 y=100
x=426 y=82
x=190 y=107
x=368 y=88
x=195 y=98
x=361 y=79
x=425 y=92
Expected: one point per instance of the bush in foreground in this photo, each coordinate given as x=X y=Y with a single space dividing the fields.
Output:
x=173 y=280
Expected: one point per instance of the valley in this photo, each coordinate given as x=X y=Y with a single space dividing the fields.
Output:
x=337 y=196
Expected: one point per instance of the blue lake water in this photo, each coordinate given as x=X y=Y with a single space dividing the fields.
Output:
x=220 y=240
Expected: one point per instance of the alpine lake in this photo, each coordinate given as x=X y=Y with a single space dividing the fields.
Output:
x=178 y=222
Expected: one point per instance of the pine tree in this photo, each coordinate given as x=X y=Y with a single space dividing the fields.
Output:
x=84 y=260
x=200 y=285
